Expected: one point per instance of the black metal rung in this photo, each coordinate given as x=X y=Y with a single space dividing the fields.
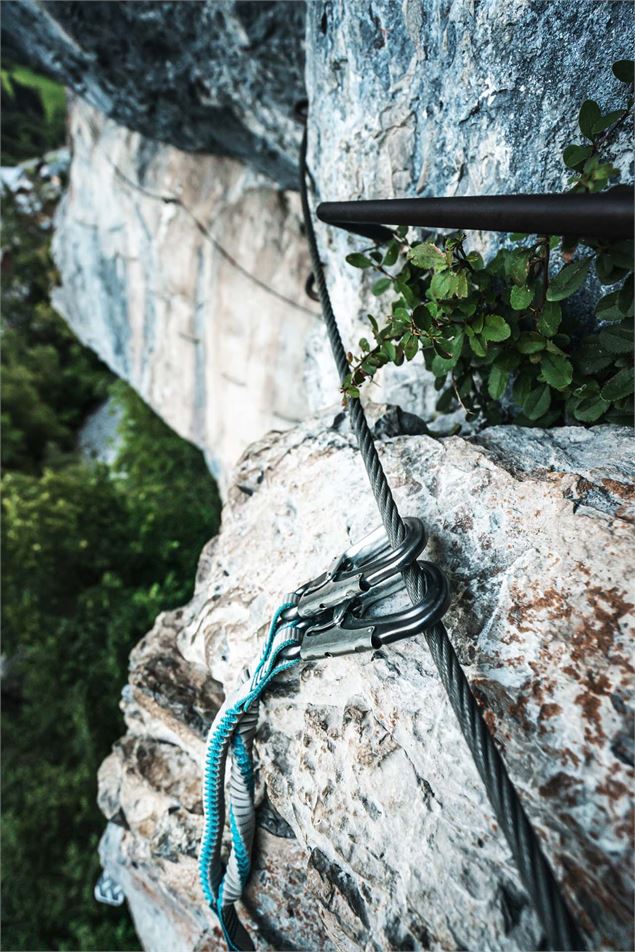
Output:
x=600 y=215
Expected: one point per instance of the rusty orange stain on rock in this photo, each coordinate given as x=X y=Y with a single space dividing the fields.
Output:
x=525 y=605
x=598 y=633
x=549 y=710
x=623 y=490
x=560 y=786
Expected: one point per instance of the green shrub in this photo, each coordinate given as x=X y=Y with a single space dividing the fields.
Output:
x=33 y=114
x=496 y=335
x=91 y=554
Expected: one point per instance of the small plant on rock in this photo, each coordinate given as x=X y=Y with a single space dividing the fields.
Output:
x=498 y=336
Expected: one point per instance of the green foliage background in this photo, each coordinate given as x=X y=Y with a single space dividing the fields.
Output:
x=91 y=554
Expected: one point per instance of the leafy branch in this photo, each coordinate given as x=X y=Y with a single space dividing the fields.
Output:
x=495 y=335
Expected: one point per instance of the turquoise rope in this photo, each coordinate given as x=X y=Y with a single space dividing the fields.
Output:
x=265 y=672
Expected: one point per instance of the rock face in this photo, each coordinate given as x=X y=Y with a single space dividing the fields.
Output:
x=374 y=828
x=211 y=76
x=186 y=274
x=443 y=98
x=447 y=97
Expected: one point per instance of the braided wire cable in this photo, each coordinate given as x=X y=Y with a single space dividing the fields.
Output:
x=535 y=871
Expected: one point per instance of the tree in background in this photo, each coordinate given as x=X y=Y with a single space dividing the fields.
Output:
x=92 y=553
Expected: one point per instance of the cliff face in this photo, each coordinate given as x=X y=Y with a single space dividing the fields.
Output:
x=453 y=98
x=374 y=830
x=186 y=273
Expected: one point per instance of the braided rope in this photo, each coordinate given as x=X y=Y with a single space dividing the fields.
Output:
x=235 y=727
x=535 y=872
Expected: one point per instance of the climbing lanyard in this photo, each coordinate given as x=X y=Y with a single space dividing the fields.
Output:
x=335 y=614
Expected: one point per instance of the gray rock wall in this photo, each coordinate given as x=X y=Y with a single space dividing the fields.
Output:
x=446 y=97
x=186 y=274
x=374 y=829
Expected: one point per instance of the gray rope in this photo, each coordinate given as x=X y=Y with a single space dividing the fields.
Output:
x=535 y=872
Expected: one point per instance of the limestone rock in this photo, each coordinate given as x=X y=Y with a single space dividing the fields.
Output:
x=186 y=274
x=212 y=76
x=444 y=98
x=375 y=831
x=449 y=97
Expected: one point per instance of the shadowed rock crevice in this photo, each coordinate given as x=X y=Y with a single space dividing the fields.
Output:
x=216 y=77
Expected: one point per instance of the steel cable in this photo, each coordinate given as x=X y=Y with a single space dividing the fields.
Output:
x=535 y=871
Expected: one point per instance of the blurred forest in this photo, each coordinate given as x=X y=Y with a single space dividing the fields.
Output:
x=92 y=553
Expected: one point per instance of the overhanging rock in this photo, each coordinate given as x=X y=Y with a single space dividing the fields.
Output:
x=375 y=831
x=215 y=76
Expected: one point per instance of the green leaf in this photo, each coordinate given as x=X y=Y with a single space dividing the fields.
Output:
x=522 y=386
x=607 y=270
x=556 y=370
x=619 y=386
x=462 y=289
x=520 y=298
x=607 y=308
x=623 y=70
x=549 y=320
x=445 y=401
x=392 y=253
x=591 y=409
x=568 y=280
x=421 y=317
x=389 y=350
x=401 y=231
x=427 y=255
x=589 y=358
x=444 y=284
x=496 y=328
x=537 y=402
x=380 y=286
x=622 y=254
x=476 y=260
x=478 y=346
x=363 y=343
x=605 y=121
x=353 y=392
x=508 y=360
x=616 y=340
x=410 y=345
x=440 y=366
x=530 y=343
x=589 y=114
x=358 y=260
x=517 y=265
x=576 y=155
x=497 y=382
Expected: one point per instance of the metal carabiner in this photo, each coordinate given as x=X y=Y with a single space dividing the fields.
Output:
x=350 y=629
x=362 y=566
